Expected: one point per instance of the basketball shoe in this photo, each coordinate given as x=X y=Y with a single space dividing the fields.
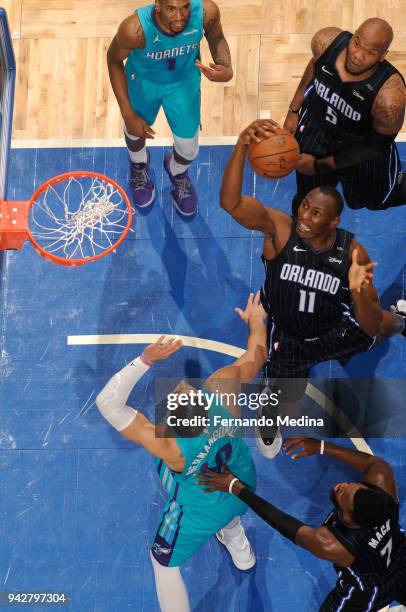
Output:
x=141 y=186
x=399 y=308
x=234 y=539
x=183 y=193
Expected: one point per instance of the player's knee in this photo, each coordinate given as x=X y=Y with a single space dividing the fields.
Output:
x=185 y=149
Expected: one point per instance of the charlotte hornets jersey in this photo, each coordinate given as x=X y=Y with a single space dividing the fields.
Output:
x=306 y=292
x=216 y=445
x=167 y=58
x=375 y=548
x=341 y=109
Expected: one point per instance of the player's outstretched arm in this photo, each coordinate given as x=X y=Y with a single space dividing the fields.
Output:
x=244 y=369
x=319 y=541
x=130 y=35
x=375 y=470
x=320 y=41
x=248 y=211
x=368 y=312
x=221 y=70
x=112 y=399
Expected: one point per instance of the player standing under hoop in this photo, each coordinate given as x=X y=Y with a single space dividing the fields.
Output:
x=345 y=114
x=161 y=44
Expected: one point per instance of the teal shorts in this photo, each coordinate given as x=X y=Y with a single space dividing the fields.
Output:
x=184 y=529
x=180 y=102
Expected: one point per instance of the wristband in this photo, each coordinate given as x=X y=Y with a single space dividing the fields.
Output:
x=321 y=447
x=230 y=486
x=295 y=112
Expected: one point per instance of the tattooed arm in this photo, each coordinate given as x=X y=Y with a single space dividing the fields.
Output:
x=388 y=110
x=221 y=69
x=320 y=41
x=130 y=35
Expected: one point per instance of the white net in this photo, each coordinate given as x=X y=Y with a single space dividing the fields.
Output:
x=79 y=217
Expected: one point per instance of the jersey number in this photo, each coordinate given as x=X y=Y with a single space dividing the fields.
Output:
x=171 y=63
x=331 y=115
x=387 y=550
x=309 y=298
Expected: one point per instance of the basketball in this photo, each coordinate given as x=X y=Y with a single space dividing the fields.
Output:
x=275 y=156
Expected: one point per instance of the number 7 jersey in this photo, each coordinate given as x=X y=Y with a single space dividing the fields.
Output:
x=306 y=292
x=167 y=58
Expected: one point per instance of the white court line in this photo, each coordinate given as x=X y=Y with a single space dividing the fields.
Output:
x=92 y=143
x=233 y=351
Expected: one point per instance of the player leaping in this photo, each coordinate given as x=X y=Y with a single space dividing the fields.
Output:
x=345 y=114
x=161 y=45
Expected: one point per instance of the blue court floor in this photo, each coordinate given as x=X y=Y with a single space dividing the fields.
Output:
x=80 y=505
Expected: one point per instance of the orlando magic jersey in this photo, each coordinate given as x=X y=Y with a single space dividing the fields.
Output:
x=306 y=292
x=341 y=110
x=167 y=58
x=375 y=548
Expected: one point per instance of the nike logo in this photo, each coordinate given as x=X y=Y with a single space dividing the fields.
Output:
x=297 y=249
x=324 y=69
x=157 y=39
x=357 y=95
x=190 y=32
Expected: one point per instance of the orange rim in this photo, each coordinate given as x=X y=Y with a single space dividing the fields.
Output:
x=80 y=260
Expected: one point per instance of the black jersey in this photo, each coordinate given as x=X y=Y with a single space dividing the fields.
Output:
x=375 y=548
x=341 y=109
x=306 y=292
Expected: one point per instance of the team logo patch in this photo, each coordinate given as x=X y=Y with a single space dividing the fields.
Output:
x=334 y=260
x=161 y=550
x=157 y=39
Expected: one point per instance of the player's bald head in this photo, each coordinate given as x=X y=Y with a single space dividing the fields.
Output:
x=377 y=32
x=328 y=198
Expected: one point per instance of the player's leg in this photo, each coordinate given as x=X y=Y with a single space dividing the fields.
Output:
x=181 y=105
x=233 y=537
x=170 y=588
x=285 y=373
x=145 y=100
x=373 y=184
x=394 y=321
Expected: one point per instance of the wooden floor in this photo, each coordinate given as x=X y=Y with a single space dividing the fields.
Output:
x=63 y=90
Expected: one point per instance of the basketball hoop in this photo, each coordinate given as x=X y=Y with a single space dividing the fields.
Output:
x=71 y=219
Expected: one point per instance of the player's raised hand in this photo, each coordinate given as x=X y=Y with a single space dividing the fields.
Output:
x=136 y=126
x=258 y=130
x=162 y=349
x=215 y=72
x=213 y=481
x=253 y=309
x=305 y=446
x=360 y=275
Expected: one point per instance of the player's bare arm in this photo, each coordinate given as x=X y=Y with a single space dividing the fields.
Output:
x=130 y=35
x=244 y=369
x=320 y=41
x=246 y=210
x=374 y=470
x=388 y=110
x=221 y=70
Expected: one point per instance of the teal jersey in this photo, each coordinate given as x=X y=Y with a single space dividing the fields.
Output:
x=166 y=58
x=215 y=446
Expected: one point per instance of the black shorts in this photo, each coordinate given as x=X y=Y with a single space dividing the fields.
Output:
x=292 y=357
x=365 y=185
